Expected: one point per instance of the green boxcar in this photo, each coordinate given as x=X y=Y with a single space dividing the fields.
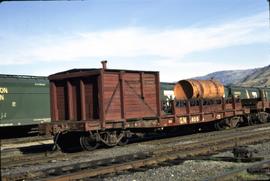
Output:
x=24 y=100
x=247 y=92
x=266 y=92
x=242 y=92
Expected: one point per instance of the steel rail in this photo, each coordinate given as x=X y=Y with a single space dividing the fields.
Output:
x=45 y=157
x=204 y=149
x=15 y=141
x=176 y=152
x=232 y=174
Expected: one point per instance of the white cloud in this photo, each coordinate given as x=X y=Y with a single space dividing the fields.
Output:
x=133 y=41
x=170 y=45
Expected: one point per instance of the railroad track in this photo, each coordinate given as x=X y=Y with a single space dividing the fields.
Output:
x=203 y=146
x=260 y=168
x=14 y=151
x=11 y=160
x=18 y=146
x=23 y=140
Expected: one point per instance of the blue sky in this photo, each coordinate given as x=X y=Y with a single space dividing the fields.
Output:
x=179 y=38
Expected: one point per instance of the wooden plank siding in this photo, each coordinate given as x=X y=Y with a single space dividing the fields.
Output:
x=53 y=101
x=61 y=103
x=188 y=113
x=75 y=99
x=129 y=95
x=108 y=99
x=112 y=101
x=109 y=96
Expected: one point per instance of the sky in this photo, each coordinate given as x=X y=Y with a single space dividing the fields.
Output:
x=179 y=38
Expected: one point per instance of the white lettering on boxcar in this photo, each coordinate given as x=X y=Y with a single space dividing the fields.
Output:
x=2 y=97
x=40 y=84
x=13 y=104
x=183 y=120
x=6 y=124
x=42 y=120
x=3 y=115
x=3 y=90
x=195 y=119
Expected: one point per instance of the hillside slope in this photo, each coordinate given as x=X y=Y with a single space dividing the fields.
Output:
x=250 y=77
x=260 y=77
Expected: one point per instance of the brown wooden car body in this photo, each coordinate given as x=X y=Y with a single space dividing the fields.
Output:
x=108 y=99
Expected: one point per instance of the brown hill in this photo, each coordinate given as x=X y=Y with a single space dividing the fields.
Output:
x=259 y=77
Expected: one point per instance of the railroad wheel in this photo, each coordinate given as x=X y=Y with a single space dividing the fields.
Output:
x=249 y=120
x=222 y=125
x=254 y=118
x=57 y=142
x=262 y=117
x=66 y=141
x=233 y=122
x=228 y=123
x=219 y=126
x=88 y=143
x=123 y=141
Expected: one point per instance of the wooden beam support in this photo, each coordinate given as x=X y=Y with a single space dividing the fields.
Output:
x=201 y=109
x=173 y=110
x=188 y=111
x=54 y=107
x=142 y=84
x=101 y=99
x=158 y=94
x=83 y=106
x=122 y=94
x=70 y=101
x=223 y=102
x=234 y=105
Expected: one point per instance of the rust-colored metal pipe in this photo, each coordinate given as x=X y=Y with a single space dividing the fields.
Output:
x=104 y=64
x=191 y=89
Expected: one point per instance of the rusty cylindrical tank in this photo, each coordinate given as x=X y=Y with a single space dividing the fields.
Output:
x=190 y=89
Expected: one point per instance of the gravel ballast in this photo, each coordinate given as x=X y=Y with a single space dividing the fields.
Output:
x=193 y=169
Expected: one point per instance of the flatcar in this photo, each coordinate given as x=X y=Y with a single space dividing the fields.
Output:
x=255 y=98
x=108 y=105
x=24 y=102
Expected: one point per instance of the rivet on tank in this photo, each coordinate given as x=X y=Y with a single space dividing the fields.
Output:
x=195 y=89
